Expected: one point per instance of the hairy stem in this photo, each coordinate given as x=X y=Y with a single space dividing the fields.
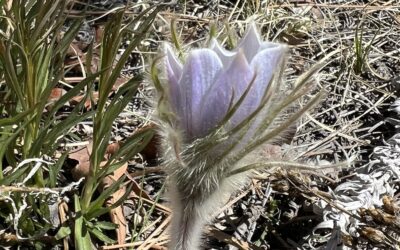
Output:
x=187 y=223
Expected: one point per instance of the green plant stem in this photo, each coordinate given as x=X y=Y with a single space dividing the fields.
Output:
x=91 y=179
x=88 y=192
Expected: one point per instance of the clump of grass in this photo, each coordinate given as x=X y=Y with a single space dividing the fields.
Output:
x=33 y=47
x=32 y=52
x=106 y=112
x=361 y=51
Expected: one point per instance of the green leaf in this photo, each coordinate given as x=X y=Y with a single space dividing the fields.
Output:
x=73 y=92
x=134 y=145
x=81 y=235
x=15 y=118
x=135 y=41
x=105 y=225
x=47 y=140
x=63 y=232
x=55 y=169
x=105 y=194
x=11 y=178
x=63 y=126
x=4 y=148
x=69 y=37
x=103 y=210
x=99 y=235
x=109 y=169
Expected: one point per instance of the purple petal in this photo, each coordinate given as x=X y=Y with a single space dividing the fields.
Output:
x=233 y=80
x=173 y=62
x=174 y=72
x=251 y=42
x=267 y=45
x=198 y=75
x=226 y=56
x=265 y=64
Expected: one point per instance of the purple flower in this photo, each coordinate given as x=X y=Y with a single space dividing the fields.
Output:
x=211 y=80
x=215 y=109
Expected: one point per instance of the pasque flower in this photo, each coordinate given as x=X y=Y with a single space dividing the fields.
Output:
x=202 y=90
x=216 y=107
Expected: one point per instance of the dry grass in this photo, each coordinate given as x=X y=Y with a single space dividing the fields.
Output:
x=279 y=210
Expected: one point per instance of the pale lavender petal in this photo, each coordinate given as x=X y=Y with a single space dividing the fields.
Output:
x=198 y=75
x=265 y=65
x=174 y=71
x=251 y=42
x=267 y=45
x=226 y=56
x=174 y=63
x=233 y=80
